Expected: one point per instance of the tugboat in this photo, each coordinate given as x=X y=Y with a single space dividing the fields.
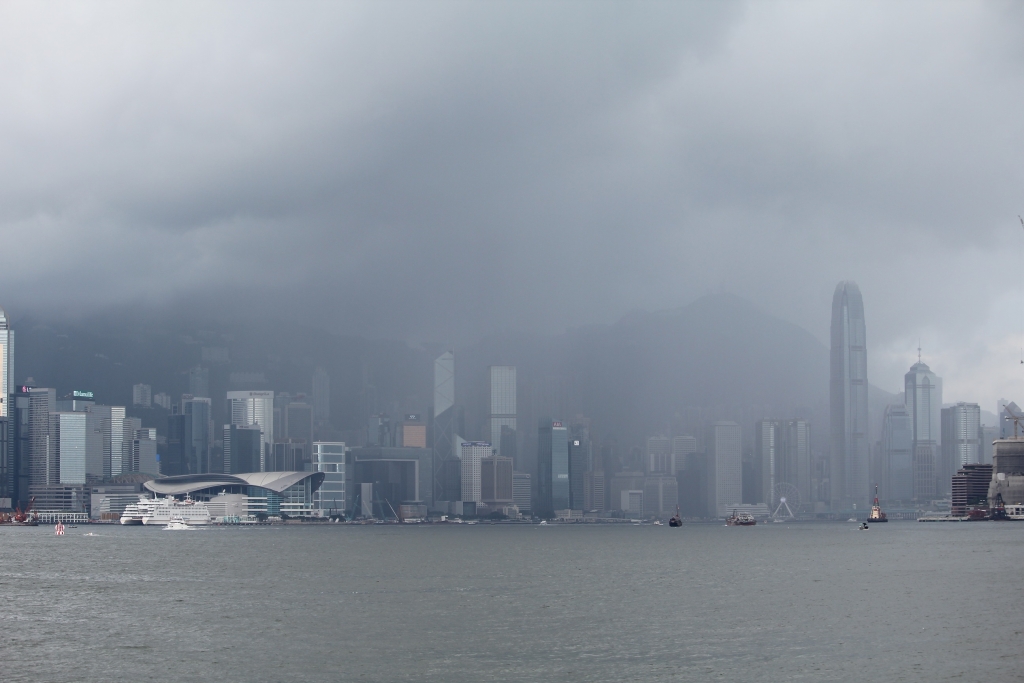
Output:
x=741 y=519
x=676 y=520
x=876 y=511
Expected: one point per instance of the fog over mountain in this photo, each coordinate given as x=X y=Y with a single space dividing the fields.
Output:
x=450 y=171
x=649 y=373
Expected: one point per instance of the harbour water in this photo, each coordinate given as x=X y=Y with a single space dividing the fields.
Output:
x=815 y=602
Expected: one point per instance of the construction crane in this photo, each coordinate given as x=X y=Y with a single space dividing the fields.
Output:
x=1013 y=416
x=20 y=516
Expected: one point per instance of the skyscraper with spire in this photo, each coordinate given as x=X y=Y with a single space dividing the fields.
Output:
x=848 y=459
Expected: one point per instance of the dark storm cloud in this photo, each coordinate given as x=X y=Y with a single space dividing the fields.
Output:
x=443 y=170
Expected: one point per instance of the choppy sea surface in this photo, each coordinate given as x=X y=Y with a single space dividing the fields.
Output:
x=818 y=602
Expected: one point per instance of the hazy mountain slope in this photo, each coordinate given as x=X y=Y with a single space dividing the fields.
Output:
x=717 y=358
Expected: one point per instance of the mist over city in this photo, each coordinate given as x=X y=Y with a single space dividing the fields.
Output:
x=398 y=287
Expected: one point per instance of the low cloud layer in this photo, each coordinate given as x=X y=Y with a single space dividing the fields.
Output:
x=441 y=171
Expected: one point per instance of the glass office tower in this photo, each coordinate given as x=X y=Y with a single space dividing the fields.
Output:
x=848 y=400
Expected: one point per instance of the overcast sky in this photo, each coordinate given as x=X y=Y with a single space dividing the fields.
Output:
x=440 y=171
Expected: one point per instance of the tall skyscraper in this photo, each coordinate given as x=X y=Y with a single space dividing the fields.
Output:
x=682 y=447
x=200 y=432
x=501 y=385
x=6 y=364
x=447 y=469
x=43 y=462
x=472 y=453
x=725 y=467
x=552 y=467
x=849 y=456
x=496 y=481
x=111 y=426
x=923 y=397
x=8 y=456
x=249 y=408
x=242 y=449
x=783 y=450
x=580 y=463
x=68 y=432
x=961 y=441
x=321 y=397
x=897 y=454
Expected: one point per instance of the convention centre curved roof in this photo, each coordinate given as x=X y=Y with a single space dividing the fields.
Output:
x=277 y=482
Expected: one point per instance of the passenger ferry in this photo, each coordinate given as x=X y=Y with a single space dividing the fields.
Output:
x=160 y=511
x=134 y=512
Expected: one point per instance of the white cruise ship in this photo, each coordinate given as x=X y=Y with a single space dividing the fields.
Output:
x=134 y=512
x=162 y=510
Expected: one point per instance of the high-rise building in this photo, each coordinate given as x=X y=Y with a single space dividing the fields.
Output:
x=111 y=428
x=659 y=455
x=8 y=456
x=897 y=454
x=177 y=456
x=521 y=492
x=44 y=467
x=501 y=387
x=509 y=444
x=580 y=463
x=321 y=397
x=329 y=458
x=552 y=467
x=249 y=408
x=725 y=467
x=496 y=481
x=163 y=400
x=199 y=382
x=969 y=488
x=848 y=471
x=593 y=491
x=783 y=453
x=447 y=469
x=923 y=397
x=661 y=495
x=414 y=432
x=243 y=448
x=142 y=395
x=6 y=364
x=961 y=441
x=68 y=439
x=472 y=454
x=200 y=433
x=682 y=447
x=144 y=455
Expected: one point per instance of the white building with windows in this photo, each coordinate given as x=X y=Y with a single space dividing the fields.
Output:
x=472 y=453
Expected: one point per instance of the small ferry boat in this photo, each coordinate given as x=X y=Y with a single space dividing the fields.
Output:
x=876 y=511
x=177 y=524
x=741 y=519
x=863 y=526
x=676 y=520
